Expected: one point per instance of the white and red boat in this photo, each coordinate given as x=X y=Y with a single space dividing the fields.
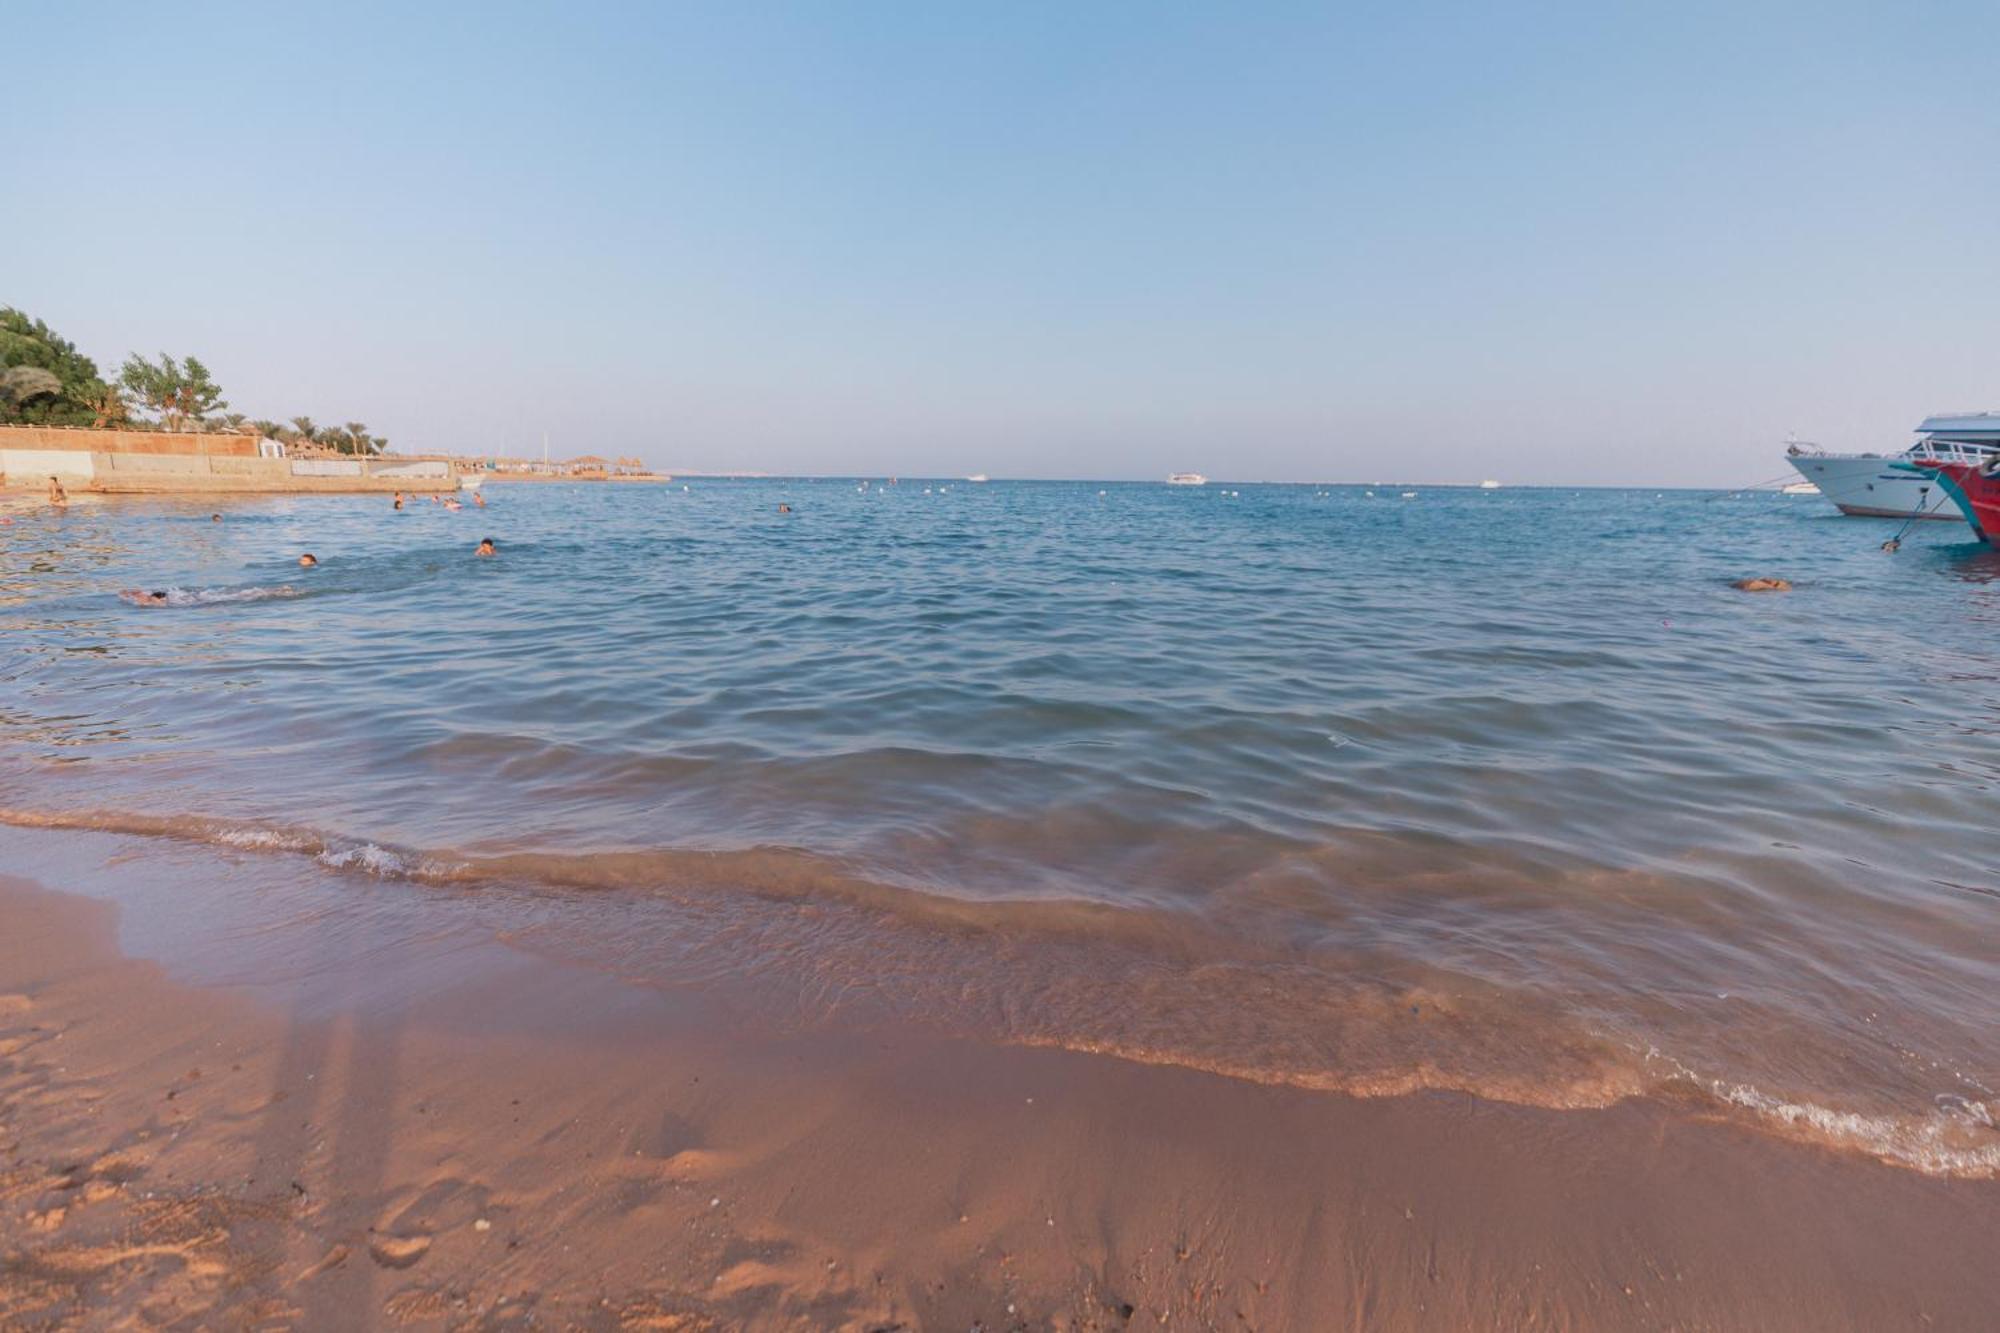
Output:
x=1880 y=486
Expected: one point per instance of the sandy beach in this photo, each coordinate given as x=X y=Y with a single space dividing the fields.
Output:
x=371 y=1129
x=1281 y=667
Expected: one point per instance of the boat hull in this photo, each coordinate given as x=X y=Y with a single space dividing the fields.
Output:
x=1873 y=487
x=1977 y=493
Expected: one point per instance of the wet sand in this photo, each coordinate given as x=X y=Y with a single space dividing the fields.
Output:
x=476 y=1137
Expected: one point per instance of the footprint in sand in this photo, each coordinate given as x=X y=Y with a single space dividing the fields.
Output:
x=439 y=1205
x=403 y=1235
x=332 y=1259
x=398 y=1251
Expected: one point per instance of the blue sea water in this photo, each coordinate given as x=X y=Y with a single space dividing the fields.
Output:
x=1503 y=791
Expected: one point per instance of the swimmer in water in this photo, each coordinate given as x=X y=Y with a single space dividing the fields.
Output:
x=399 y=501
x=215 y=518
x=57 y=495
x=479 y=499
x=308 y=560
x=784 y=509
x=486 y=547
x=140 y=598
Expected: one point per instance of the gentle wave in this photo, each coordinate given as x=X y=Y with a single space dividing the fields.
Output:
x=177 y=596
x=1149 y=985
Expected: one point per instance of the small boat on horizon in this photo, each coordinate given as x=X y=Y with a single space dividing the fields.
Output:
x=1879 y=486
x=1186 y=479
x=979 y=476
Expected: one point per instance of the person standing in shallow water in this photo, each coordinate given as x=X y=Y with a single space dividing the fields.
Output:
x=57 y=495
x=399 y=501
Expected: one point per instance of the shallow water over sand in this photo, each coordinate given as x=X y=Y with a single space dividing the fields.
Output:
x=1501 y=791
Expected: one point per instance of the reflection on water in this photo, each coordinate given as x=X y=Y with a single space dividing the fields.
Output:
x=1507 y=791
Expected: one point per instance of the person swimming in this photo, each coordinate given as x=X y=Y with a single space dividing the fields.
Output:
x=57 y=495
x=399 y=501
x=479 y=499
x=140 y=597
x=784 y=509
x=486 y=547
x=308 y=560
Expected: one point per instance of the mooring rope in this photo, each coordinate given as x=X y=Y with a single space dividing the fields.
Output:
x=1895 y=543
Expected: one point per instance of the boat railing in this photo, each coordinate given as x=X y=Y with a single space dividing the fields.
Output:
x=1955 y=451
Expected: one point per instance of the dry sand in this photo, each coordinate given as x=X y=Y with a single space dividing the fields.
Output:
x=532 y=1145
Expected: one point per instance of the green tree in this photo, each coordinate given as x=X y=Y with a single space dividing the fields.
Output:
x=107 y=406
x=180 y=391
x=30 y=344
x=359 y=441
x=305 y=428
x=270 y=430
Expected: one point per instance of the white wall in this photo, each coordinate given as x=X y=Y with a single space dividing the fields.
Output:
x=24 y=467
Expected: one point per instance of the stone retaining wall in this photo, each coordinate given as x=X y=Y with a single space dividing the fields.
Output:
x=157 y=462
x=128 y=441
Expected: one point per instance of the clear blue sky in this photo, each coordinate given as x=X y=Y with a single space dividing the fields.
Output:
x=1585 y=242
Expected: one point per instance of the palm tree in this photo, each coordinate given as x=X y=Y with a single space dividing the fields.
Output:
x=307 y=431
x=107 y=405
x=270 y=430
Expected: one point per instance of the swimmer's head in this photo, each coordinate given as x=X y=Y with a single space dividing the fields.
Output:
x=215 y=518
x=486 y=547
x=308 y=560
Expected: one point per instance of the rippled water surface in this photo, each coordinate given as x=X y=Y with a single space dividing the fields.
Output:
x=1501 y=791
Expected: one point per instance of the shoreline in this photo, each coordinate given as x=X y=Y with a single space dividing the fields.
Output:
x=307 y=1116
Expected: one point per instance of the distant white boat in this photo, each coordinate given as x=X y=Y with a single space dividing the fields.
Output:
x=1799 y=488
x=1186 y=479
x=1409 y=495
x=1489 y=485
x=979 y=476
